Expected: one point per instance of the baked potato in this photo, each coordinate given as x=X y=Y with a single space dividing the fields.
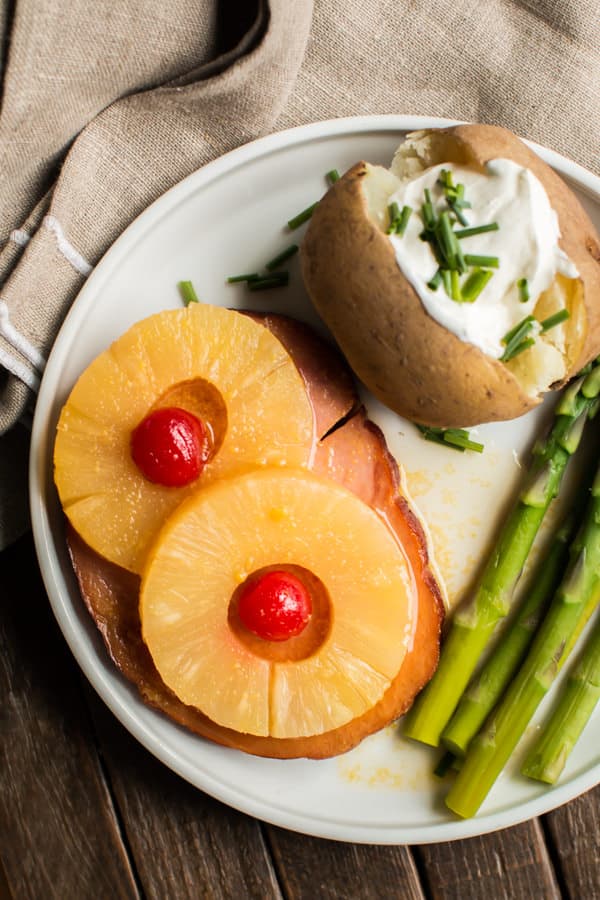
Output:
x=385 y=315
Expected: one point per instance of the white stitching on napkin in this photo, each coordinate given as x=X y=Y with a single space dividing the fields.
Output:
x=20 y=370
x=20 y=237
x=67 y=249
x=18 y=340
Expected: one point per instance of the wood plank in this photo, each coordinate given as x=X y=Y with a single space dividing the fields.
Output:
x=509 y=864
x=314 y=869
x=185 y=844
x=5 y=892
x=573 y=833
x=58 y=832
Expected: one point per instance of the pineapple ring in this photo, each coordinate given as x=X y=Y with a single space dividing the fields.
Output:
x=215 y=540
x=261 y=404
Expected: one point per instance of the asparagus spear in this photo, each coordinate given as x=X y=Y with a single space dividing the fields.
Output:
x=492 y=747
x=485 y=690
x=474 y=623
x=577 y=702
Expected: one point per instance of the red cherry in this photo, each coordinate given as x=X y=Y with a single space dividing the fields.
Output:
x=170 y=446
x=276 y=606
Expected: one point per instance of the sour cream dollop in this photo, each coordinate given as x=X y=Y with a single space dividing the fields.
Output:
x=526 y=244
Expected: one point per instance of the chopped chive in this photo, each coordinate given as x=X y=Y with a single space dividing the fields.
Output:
x=561 y=316
x=404 y=217
x=516 y=340
x=486 y=262
x=302 y=217
x=476 y=229
x=234 y=279
x=454 y=206
x=276 y=279
x=434 y=283
x=458 y=438
x=281 y=257
x=398 y=219
x=394 y=214
x=461 y=263
x=436 y=436
x=445 y=273
x=520 y=330
x=455 y=286
x=446 y=239
x=446 y=179
x=523 y=287
x=474 y=284
x=515 y=349
x=428 y=216
x=188 y=294
x=332 y=176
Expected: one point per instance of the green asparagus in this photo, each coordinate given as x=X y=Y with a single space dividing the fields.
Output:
x=474 y=623
x=580 y=588
x=577 y=702
x=485 y=689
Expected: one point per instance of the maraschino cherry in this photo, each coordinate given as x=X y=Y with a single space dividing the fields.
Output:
x=275 y=606
x=170 y=446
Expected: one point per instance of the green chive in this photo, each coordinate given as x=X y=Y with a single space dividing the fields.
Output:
x=436 y=436
x=455 y=286
x=474 y=284
x=302 y=217
x=486 y=262
x=446 y=179
x=514 y=350
x=457 y=212
x=188 y=293
x=523 y=287
x=398 y=219
x=285 y=254
x=476 y=229
x=404 y=217
x=558 y=317
x=434 y=283
x=427 y=212
x=458 y=437
x=394 y=214
x=332 y=176
x=446 y=281
x=234 y=279
x=446 y=239
x=461 y=263
x=519 y=331
x=276 y=279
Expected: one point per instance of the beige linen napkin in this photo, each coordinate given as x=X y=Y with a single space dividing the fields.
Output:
x=107 y=105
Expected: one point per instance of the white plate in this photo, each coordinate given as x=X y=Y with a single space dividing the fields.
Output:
x=227 y=218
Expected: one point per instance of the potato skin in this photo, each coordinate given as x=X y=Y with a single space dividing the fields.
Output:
x=407 y=359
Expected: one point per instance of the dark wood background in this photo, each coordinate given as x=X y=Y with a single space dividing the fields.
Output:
x=86 y=812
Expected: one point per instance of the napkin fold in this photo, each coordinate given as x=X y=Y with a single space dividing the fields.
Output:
x=105 y=106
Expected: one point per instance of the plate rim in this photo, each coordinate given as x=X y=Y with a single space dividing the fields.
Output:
x=454 y=829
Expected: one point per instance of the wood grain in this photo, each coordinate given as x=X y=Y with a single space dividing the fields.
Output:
x=574 y=844
x=314 y=869
x=184 y=843
x=58 y=832
x=506 y=865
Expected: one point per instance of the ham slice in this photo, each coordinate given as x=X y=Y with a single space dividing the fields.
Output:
x=352 y=451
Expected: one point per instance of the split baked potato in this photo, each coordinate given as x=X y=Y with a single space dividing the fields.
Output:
x=408 y=359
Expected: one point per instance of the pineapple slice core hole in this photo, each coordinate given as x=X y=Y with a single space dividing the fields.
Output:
x=305 y=644
x=203 y=400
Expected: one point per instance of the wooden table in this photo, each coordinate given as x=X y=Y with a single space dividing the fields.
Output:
x=85 y=812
